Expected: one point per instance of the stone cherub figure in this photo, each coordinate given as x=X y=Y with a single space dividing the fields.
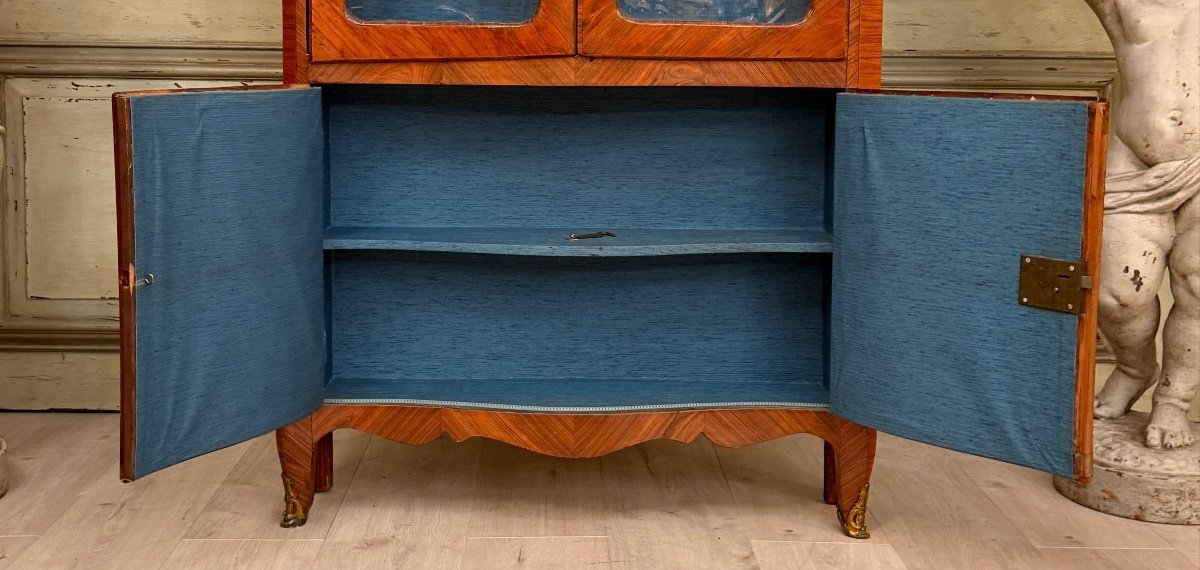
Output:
x=1152 y=212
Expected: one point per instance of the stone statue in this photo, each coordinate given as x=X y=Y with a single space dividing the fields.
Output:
x=1152 y=213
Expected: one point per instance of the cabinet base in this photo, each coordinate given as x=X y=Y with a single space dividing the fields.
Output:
x=306 y=446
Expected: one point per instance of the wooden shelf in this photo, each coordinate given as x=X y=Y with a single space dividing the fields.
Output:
x=554 y=242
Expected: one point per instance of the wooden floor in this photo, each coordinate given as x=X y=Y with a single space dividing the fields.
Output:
x=482 y=504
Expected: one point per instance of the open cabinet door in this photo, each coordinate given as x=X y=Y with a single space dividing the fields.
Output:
x=938 y=202
x=219 y=206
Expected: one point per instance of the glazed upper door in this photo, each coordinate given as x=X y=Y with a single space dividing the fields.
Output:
x=219 y=197
x=714 y=29
x=941 y=206
x=377 y=30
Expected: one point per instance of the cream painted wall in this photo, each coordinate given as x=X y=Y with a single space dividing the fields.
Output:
x=60 y=60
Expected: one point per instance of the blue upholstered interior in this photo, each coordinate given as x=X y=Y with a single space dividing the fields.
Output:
x=570 y=333
x=227 y=217
x=651 y=158
x=935 y=201
x=515 y=171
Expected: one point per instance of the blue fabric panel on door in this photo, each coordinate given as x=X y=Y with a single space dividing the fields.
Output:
x=657 y=158
x=227 y=189
x=538 y=332
x=935 y=199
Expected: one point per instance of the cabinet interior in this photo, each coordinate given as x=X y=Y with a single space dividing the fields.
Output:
x=448 y=212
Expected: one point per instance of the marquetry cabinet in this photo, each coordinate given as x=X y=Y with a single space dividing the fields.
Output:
x=578 y=234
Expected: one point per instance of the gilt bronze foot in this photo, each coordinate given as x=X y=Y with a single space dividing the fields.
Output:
x=294 y=512
x=854 y=520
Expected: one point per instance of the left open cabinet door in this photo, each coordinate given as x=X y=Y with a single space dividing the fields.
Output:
x=219 y=207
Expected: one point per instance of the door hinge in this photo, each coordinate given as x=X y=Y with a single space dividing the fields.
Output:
x=1053 y=284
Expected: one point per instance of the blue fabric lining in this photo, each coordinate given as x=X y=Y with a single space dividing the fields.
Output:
x=579 y=332
x=656 y=158
x=935 y=201
x=227 y=189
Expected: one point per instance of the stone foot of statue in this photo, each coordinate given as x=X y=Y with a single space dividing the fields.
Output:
x=1169 y=427
x=1120 y=392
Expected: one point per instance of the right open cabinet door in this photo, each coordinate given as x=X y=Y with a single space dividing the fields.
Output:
x=943 y=210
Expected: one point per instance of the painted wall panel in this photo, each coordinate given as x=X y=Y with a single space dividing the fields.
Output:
x=141 y=22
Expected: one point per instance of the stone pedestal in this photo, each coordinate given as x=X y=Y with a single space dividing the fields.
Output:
x=1133 y=481
x=3 y=468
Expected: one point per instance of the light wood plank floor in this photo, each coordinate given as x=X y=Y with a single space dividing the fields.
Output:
x=482 y=504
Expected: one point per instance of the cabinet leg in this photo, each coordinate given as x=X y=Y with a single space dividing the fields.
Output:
x=853 y=459
x=323 y=463
x=831 y=495
x=296 y=457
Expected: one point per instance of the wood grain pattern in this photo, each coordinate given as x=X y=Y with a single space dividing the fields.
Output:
x=522 y=493
x=247 y=504
x=777 y=486
x=1051 y=520
x=581 y=435
x=669 y=508
x=605 y=32
x=110 y=524
x=829 y=490
x=936 y=517
x=407 y=499
x=781 y=555
x=11 y=547
x=45 y=484
x=523 y=553
x=338 y=37
x=864 y=50
x=1089 y=251
x=323 y=464
x=297 y=445
x=123 y=149
x=408 y=508
x=295 y=41
x=247 y=554
x=583 y=71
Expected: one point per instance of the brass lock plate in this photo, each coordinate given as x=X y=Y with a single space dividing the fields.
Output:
x=1053 y=284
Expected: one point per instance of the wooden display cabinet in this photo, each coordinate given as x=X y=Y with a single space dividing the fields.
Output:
x=764 y=245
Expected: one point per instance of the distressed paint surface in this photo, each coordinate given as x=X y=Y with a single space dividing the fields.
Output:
x=991 y=25
x=59 y=380
x=142 y=22
x=579 y=332
x=227 y=216
x=59 y=227
x=936 y=199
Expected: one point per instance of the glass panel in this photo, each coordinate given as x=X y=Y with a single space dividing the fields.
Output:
x=735 y=11
x=470 y=11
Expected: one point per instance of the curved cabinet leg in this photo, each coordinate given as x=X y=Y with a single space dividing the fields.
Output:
x=297 y=458
x=853 y=458
x=831 y=495
x=323 y=463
